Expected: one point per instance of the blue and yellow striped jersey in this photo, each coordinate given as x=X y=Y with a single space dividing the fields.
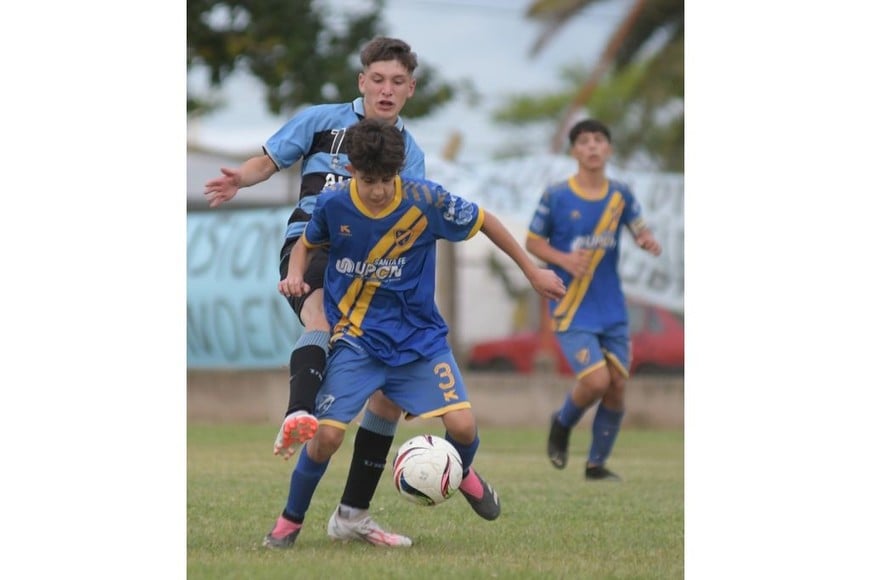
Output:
x=571 y=218
x=379 y=286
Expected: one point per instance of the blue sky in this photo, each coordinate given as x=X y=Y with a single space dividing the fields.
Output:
x=484 y=40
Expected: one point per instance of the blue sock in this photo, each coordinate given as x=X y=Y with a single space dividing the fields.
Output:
x=605 y=428
x=303 y=482
x=569 y=415
x=466 y=452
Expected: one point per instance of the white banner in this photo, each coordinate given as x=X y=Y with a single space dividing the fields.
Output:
x=511 y=190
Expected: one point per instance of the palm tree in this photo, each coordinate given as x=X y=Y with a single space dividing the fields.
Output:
x=662 y=78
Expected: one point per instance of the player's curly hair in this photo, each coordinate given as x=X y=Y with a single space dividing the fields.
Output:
x=375 y=148
x=382 y=48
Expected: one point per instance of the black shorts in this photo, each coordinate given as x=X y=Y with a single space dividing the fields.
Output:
x=313 y=275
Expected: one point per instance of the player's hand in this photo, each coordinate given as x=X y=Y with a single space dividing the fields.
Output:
x=547 y=283
x=223 y=188
x=577 y=262
x=647 y=242
x=293 y=285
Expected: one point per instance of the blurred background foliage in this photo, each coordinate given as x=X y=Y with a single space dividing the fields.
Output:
x=306 y=52
x=636 y=87
x=303 y=52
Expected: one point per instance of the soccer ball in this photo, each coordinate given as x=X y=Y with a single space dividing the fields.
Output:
x=427 y=470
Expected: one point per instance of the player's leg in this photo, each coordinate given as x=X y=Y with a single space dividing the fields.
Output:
x=583 y=351
x=461 y=432
x=351 y=520
x=355 y=376
x=309 y=470
x=435 y=388
x=608 y=417
x=308 y=359
x=370 y=449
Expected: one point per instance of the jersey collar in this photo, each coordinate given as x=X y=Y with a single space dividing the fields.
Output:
x=394 y=203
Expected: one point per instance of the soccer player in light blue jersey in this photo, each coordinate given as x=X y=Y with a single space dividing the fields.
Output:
x=316 y=136
x=576 y=230
x=387 y=333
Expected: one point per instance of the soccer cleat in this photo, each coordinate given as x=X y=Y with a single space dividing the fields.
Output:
x=282 y=535
x=364 y=529
x=488 y=506
x=298 y=427
x=557 y=443
x=600 y=473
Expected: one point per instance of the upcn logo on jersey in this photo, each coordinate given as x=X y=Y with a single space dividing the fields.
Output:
x=593 y=242
x=382 y=270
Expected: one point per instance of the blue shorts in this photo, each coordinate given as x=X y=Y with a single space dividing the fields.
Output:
x=586 y=351
x=424 y=388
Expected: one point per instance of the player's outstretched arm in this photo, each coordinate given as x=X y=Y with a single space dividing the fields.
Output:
x=251 y=172
x=294 y=284
x=543 y=280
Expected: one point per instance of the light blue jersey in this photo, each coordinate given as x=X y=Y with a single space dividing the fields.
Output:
x=316 y=136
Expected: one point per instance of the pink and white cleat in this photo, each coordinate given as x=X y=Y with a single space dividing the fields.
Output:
x=364 y=529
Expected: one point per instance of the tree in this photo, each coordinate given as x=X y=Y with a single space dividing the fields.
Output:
x=641 y=96
x=640 y=139
x=303 y=51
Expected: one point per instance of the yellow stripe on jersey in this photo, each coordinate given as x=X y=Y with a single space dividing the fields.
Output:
x=567 y=307
x=399 y=239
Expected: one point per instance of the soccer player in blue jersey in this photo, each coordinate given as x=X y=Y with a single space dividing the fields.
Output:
x=387 y=333
x=576 y=230
x=317 y=137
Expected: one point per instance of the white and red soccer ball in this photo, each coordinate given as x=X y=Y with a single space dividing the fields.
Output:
x=427 y=470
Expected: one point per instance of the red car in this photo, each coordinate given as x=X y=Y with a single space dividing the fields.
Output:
x=656 y=342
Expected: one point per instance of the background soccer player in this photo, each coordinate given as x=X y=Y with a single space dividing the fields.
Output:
x=576 y=229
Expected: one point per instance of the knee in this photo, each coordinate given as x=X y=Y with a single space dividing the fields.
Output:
x=596 y=384
x=617 y=384
x=614 y=398
x=461 y=426
x=381 y=406
x=325 y=443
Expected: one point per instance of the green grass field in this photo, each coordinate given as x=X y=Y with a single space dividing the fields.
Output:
x=553 y=524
